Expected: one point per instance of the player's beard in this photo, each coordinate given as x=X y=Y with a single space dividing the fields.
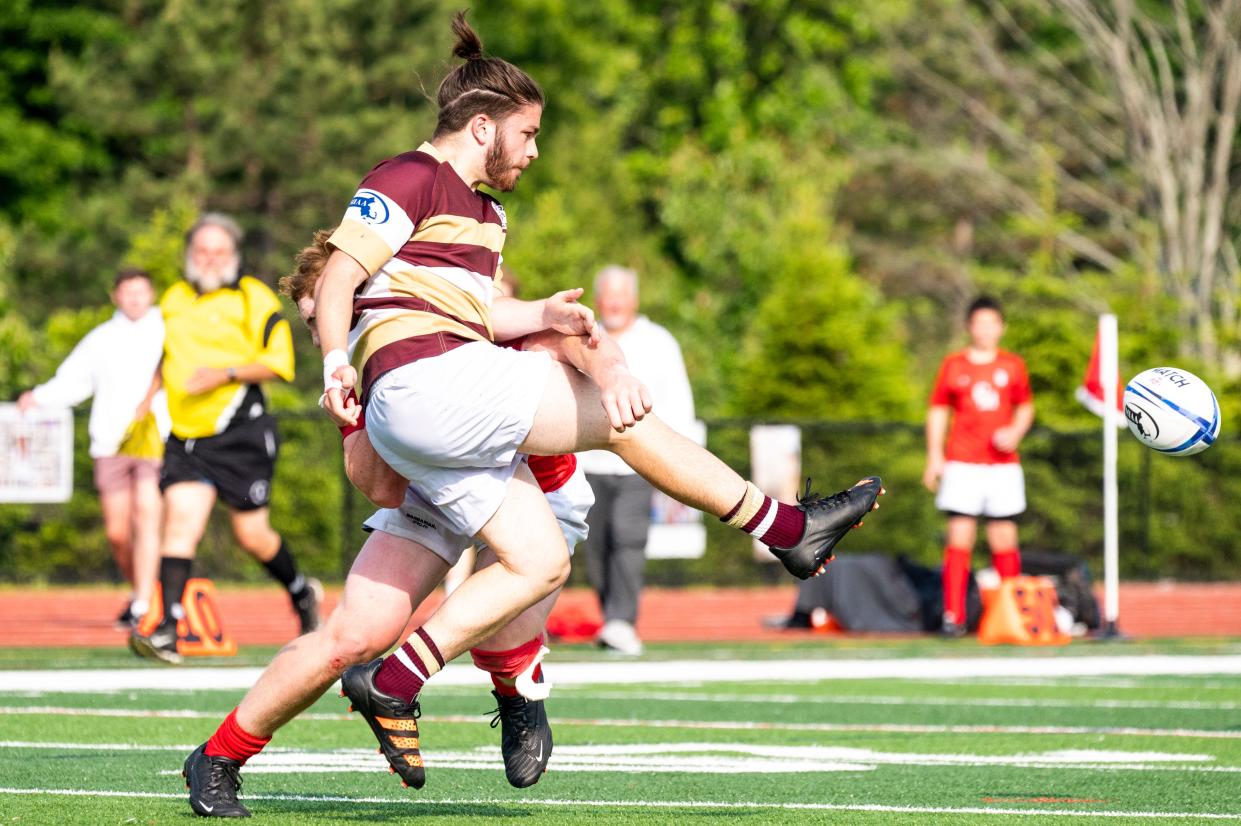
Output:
x=500 y=172
x=213 y=278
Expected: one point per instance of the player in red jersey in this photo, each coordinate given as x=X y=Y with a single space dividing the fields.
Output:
x=410 y=549
x=985 y=392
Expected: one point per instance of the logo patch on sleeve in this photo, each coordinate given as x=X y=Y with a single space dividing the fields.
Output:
x=371 y=207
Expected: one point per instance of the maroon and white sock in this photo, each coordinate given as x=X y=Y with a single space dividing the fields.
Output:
x=406 y=669
x=768 y=521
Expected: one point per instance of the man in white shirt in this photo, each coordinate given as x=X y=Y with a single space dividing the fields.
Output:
x=114 y=363
x=621 y=517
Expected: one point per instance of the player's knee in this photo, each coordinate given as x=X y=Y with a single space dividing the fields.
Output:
x=117 y=535
x=352 y=645
x=259 y=540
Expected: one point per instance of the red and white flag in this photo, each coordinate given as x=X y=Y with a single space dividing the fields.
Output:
x=1090 y=393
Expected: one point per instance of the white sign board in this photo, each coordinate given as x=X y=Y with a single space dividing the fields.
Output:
x=36 y=454
x=775 y=467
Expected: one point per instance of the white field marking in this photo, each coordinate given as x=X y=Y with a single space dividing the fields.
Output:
x=697 y=758
x=737 y=758
x=410 y=802
x=881 y=700
x=668 y=671
x=692 y=725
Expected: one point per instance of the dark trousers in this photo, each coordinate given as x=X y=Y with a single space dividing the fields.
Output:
x=615 y=550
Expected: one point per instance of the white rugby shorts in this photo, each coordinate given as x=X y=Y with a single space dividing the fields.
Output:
x=451 y=425
x=420 y=522
x=993 y=491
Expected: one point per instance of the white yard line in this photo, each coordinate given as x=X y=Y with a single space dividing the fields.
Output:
x=693 y=758
x=896 y=700
x=666 y=671
x=701 y=725
x=422 y=803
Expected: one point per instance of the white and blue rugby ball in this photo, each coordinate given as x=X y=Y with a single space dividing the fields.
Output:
x=1172 y=411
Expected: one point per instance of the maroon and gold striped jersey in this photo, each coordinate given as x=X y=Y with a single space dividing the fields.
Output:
x=432 y=245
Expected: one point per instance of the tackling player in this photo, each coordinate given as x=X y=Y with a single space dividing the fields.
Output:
x=408 y=290
x=985 y=392
x=409 y=551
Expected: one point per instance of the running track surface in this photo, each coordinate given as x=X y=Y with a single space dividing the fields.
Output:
x=261 y=616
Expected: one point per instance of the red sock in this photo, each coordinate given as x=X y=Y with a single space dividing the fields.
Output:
x=504 y=666
x=231 y=740
x=765 y=519
x=956 y=582
x=1007 y=563
x=405 y=670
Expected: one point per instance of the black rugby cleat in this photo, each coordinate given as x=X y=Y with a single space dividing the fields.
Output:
x=828 y=519
x=213 y=783
x=525 y=738
x=393 y=721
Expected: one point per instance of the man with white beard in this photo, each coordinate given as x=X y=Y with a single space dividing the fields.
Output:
x=224 y=338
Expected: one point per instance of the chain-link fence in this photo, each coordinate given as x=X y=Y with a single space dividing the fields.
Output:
x=1179 y=516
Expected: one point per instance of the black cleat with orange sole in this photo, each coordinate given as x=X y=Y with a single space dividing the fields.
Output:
x=828 y=519
x=393 y=721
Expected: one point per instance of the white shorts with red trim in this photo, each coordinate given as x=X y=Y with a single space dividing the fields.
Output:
x=419 y=521
x=993 y=491
x=451 y=424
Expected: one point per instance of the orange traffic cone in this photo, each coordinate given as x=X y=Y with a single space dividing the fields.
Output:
x=200 y=633
x=1022 y=612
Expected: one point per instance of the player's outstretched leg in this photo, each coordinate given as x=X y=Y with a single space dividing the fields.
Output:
x=828 y=519
x=571 y=418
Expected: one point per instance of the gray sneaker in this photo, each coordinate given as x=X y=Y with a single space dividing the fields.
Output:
x=160 y=644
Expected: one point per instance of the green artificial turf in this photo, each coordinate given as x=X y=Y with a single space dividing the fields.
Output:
x=914 y=751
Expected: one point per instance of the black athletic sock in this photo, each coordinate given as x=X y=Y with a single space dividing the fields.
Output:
x=284 y=570
x=173 y=574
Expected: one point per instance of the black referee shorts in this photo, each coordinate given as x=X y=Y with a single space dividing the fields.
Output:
x=239 y=462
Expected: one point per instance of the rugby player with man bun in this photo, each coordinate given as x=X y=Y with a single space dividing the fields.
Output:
x=409 y=291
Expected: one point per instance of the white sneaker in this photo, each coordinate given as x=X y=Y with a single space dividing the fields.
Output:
x=619 y=636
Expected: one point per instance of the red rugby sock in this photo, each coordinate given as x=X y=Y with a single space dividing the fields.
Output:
x=231 y=740
x=1007 y=562
x=504 y=666
x=956 y=577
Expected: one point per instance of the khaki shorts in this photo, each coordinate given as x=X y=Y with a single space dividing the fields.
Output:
x=115 y=474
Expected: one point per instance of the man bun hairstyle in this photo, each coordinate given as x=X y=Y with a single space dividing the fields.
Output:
x=481 y=85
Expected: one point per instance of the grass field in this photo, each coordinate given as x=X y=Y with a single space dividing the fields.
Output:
x=917 y=750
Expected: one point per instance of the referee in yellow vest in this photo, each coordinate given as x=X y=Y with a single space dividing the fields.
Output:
x=224 y=338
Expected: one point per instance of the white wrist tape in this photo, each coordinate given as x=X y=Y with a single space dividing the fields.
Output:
x=332 y=362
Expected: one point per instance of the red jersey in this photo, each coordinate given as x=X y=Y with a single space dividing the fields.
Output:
x=982 y=398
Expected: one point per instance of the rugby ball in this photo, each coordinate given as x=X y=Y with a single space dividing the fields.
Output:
x=1172 y=411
